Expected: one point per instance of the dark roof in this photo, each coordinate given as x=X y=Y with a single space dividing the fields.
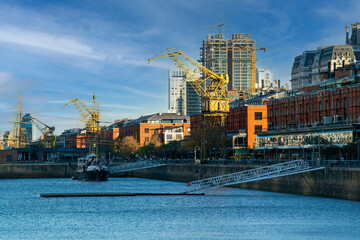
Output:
x=166 y=116
x=158 y=117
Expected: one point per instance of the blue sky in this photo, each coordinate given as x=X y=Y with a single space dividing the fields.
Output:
x=52 y=51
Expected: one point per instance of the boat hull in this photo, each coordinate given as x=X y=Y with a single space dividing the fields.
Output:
x=96 y=175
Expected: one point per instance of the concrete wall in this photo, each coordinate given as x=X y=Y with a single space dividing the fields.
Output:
x=8 y=156
x=341 y=183
x=333 y=182
x=37 y=171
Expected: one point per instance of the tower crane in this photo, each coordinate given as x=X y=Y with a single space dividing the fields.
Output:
x=47 y=132
x=91 y=118
x=214 y=102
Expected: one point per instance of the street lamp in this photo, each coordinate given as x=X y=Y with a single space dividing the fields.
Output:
x=196 y=147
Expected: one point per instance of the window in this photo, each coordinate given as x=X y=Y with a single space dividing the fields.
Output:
x=258 y=129
x=146 y=130
x=146 y=139
x=258 y=115
x=168 y=136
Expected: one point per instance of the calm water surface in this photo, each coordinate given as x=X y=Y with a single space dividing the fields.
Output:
x=224 y=213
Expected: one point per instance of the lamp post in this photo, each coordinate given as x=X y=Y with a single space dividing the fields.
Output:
x=358 y=151
x=196 y=147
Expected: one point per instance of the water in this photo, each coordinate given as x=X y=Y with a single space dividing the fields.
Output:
x=225 y=213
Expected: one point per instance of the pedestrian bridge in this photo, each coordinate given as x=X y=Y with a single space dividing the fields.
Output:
x=135 y=166
x=272 y=171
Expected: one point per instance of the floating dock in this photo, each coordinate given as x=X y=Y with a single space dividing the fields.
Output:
x=115 y=194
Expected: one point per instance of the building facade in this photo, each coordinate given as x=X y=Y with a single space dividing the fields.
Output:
x=235 y=57
x=264 y=78
x=183 y=99
x=177 y=92
x=334 y=100
x=243 y=123
x=27 y=126
x=314 y=66
x=168 y=126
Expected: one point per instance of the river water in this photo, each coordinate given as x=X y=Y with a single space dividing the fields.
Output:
x=225 y=213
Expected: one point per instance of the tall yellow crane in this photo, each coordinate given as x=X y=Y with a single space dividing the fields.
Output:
x=214 y=102
x=91 y=118
x=47 y=132
x=18 y=139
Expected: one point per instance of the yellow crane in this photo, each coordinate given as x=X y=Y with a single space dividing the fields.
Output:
x=214 y=102
x=213 y=97
x=91 y=118
x=47 y=132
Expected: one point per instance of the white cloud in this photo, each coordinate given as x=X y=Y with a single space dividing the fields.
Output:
x=121 y=106
x=348 y=12
x=48 y=42
x=10 y=85
x=139 y=92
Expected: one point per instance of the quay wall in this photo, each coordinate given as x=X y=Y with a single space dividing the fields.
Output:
x=37 y=170
x=343 y=183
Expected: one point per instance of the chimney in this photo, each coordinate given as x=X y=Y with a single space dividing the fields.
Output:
x=347 y=35
x=279 y=84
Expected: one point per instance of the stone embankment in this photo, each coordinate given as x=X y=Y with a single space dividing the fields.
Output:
x=341 y=183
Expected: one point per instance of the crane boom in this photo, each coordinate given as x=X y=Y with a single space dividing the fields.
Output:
x=213 y=97
x=211 y=89
x=47 y=131
x=90 y=117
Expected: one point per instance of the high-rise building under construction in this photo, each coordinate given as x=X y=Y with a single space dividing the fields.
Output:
x=235 y=57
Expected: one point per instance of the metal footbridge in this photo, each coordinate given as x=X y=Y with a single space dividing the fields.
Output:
x=276 y=170
x=135 y=166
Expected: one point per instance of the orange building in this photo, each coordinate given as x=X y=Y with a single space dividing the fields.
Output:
x=76 y=141
x=168 y=126
x=245 y=120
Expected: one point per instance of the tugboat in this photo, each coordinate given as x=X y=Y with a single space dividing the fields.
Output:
x=92 y=168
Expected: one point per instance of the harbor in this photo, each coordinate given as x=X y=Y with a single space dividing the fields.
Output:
x=225 y=213
x=332 y=182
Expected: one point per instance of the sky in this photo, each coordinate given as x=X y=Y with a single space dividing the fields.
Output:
x=53 y=51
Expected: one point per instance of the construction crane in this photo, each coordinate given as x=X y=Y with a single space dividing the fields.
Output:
x=214 y=102
x=47 y=133
x=91 y=118
x=18 y=138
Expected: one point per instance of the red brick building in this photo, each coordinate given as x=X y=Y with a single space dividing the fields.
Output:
x=322 y=107
x=168 y=126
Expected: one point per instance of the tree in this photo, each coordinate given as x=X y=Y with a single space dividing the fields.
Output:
x=146 y=150
x=126 y=146
x=155 y=140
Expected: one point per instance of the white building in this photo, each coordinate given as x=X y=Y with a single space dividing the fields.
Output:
x=182 y=97
x=264 y=78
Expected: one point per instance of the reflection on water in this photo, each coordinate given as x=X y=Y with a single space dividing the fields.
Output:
x=225 y=213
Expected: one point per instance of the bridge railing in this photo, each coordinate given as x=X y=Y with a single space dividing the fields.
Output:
x=341 y=163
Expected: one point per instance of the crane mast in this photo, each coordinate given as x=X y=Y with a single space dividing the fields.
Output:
x=91 y=118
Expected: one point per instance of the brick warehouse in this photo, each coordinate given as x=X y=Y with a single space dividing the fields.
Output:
x=339 y=104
